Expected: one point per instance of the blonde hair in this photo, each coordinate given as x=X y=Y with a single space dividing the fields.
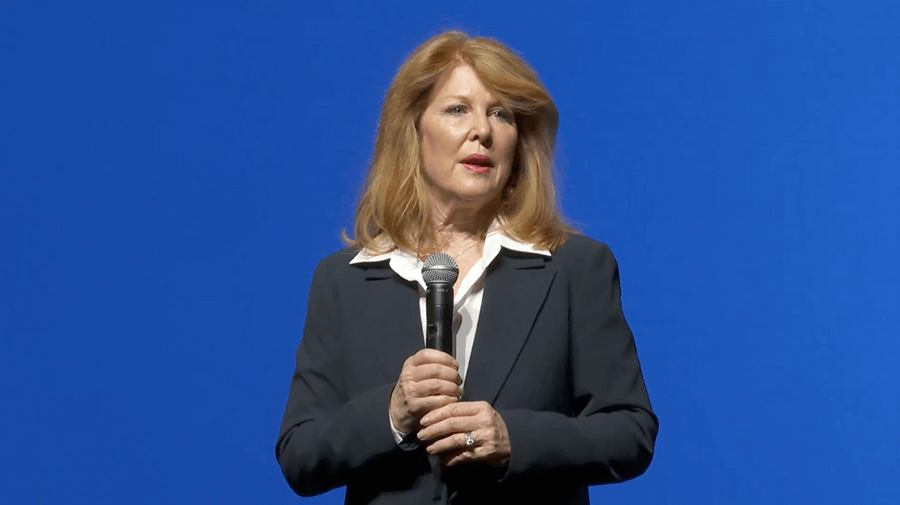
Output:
x=395 y=194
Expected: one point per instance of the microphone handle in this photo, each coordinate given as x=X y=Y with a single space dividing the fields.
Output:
x=439 y=317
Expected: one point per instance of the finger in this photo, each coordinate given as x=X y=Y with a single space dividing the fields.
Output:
x=445 y=428
x=457 y=457
x=426 y=356
x=450 y=444
x=434 y=371
x=460 y=409
x=484 y=450
x=431 y=387
x=421 y=406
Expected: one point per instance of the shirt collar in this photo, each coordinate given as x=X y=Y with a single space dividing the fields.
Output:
x=409 y=267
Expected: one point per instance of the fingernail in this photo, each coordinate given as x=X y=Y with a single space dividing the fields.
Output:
x=424 y=421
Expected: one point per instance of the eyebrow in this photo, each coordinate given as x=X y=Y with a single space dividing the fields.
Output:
x=467 y=98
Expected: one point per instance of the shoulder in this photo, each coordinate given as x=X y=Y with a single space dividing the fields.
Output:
x=580 y=250
x=587 y=265
x=336 y=267
x=337 y=261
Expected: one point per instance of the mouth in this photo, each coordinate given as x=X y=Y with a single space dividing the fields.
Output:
x=478 y=163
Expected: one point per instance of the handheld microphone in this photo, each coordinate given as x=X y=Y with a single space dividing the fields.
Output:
x=439 y=272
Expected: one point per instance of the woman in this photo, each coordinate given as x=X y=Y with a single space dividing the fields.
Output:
x=544 y=394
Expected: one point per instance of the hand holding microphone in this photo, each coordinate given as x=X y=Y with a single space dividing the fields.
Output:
x=430 y=378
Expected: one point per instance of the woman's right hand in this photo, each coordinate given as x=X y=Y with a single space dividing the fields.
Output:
x=428 y=380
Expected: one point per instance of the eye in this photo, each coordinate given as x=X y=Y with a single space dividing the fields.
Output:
x=502 y=114
x=456 y=109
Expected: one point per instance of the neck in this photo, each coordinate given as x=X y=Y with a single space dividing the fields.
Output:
x=455 y=229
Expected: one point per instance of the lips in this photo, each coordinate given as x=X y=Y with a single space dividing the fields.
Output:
x=478 y=163
x=478 y=159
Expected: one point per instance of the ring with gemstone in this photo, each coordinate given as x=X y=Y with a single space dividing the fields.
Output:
x=469 y=440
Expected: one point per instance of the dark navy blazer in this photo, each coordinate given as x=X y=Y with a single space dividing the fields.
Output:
x=552 y=354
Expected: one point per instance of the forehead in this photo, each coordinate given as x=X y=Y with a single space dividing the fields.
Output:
x=461 y=81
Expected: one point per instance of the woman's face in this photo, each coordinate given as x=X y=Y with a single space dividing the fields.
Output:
x=468 y=141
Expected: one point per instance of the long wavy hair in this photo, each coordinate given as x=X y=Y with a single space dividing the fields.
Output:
x=395 y=199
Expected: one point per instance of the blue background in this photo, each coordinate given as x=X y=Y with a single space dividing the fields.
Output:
x=170 y=173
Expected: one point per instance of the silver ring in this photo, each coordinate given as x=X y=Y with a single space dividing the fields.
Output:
x=469 y=440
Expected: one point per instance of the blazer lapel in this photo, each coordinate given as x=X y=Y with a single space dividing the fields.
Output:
x=394 y=316
x=515 y=289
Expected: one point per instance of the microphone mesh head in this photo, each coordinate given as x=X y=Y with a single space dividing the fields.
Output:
x=440 y=267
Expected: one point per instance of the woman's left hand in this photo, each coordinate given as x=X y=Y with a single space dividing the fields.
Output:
x=444 y=432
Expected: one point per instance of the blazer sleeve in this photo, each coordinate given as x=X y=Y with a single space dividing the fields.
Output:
x=610 y=436
x=325 y=435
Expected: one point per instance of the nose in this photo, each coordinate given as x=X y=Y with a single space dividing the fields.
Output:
x=481 y=130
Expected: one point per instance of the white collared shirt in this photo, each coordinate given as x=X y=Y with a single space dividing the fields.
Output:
x=466 y=301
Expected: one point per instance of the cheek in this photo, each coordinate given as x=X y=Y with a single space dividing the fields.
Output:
x=430 y=150
x=437 y=145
